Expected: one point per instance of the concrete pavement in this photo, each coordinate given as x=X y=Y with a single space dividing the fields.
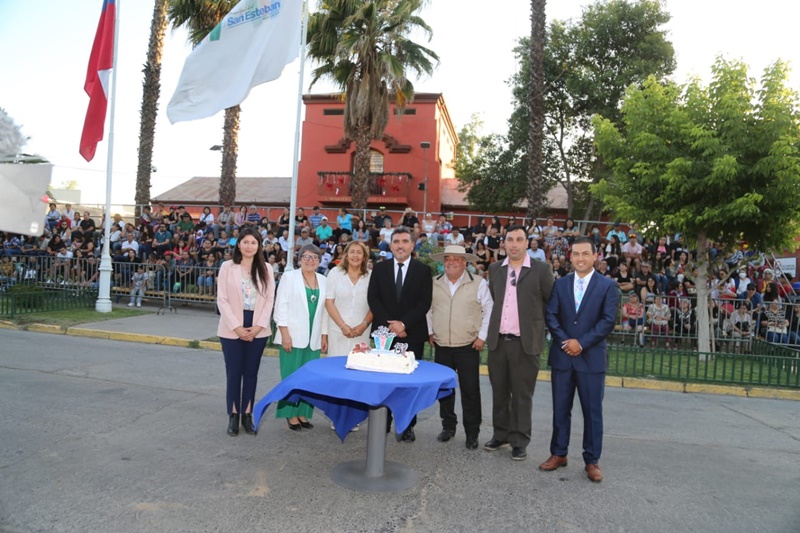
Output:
x=99 y=435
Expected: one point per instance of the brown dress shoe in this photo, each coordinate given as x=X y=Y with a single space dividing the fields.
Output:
x=553 y=463
x=594 y=473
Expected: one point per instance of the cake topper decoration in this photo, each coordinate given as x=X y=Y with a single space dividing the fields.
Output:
x=400 y=348
x=383 y=338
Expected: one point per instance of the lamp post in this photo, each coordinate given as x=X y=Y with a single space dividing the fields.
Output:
x=425 y=145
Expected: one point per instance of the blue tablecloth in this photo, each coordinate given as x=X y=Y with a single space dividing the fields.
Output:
x=346 y=396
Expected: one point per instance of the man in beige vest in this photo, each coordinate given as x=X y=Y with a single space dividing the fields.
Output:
x=458 y=321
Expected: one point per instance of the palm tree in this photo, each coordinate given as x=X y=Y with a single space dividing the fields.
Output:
x=537 y=193
x=200 y=17
x=363 y=47
x=150 y=94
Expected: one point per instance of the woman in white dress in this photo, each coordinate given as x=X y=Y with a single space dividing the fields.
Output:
x=346 y=301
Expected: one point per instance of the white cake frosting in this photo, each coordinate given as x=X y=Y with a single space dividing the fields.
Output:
x=382 y=361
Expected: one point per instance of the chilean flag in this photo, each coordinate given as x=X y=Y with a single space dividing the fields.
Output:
x=97 y=79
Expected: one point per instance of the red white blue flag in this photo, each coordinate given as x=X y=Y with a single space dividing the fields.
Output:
x=101 y=62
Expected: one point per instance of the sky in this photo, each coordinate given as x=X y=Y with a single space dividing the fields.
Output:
x=46 y=48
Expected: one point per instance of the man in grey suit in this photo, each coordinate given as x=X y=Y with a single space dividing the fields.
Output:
x=520 y=288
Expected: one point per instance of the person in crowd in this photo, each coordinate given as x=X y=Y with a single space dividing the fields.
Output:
x=571 y=231
x=581 y=313
x=558 y=269
x=685 y=320
x=444 y=227
x=775 y=323
x=614 y=253
x=302 y=327
x=409 y=218
x=648 y=293
x=478 y=231
x=345 y=221
x=399 y=296
x=454 y=237
x=633 y=318
x=138 y=286
x=304 y=240
x=323 y=231
x=349 y=316
x=315 y=217
x=458 y=322
x=520 y=289
x=224 y=221
x=361 y=233
x=53 y=217
x=386 y=235
x=753 y=298
x=184 y=272
x=534 y=231
x=632 y=253
x=428 y=227
x=535 y=252
x=742 y=329
x=163 y=239
x=501 y=253
x=208 y=275
x=658 y=316
x=496 y=224
x=300 y=219
x=623 y=279
x=484 y=258
x=245 y=296
x=616 y=231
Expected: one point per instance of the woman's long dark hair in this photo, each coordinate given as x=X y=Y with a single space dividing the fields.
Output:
x=258 y=271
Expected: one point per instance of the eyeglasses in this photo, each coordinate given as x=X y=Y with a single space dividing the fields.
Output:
x=513 y=278
x=309 y=258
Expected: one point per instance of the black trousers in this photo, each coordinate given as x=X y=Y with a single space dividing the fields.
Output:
x=465 y=360
x=417 y=348
x=242 y=361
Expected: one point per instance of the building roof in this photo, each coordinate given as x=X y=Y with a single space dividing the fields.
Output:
x=453 y=198
x=202 y=190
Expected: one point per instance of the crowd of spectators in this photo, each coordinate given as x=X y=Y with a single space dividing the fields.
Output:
x=183 y=251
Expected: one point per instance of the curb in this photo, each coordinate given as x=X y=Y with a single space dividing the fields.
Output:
x=544 y=375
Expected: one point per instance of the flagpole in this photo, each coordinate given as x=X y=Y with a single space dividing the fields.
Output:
x=103 y=304
x=296 y=159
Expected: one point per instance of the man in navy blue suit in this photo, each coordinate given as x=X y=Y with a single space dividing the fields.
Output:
x=581 y=313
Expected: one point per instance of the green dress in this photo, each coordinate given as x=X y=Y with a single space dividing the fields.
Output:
x=291 y=361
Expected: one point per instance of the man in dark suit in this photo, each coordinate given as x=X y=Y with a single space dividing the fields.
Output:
x=581 y=313
x=399 y=296
x=520 y=288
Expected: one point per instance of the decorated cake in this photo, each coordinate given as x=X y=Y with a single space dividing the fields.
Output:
x=381 y=358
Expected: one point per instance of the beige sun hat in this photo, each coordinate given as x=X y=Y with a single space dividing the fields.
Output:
x=454 y=249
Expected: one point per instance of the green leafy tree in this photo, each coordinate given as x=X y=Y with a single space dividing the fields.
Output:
x=363 y=48
x=151 y=90
x=483 y=164
x=717 y=162
x=199 y=17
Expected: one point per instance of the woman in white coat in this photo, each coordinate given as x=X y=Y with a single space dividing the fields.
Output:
x=302 y=327
x=349 y=316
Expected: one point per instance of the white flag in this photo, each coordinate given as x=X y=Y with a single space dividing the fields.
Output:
x=250 y=46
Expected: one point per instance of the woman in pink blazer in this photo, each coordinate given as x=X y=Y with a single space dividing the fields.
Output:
x=245 y=295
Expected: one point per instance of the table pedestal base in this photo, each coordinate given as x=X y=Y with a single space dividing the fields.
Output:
x=375 y=474
x=396 y=477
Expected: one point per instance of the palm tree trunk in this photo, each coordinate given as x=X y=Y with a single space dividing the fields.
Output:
x=150 y=94
x=537 y=195
x=230 y=148
x=359 y=182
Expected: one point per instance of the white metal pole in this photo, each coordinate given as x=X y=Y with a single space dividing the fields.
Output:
x=296 y=160
x=103 y=304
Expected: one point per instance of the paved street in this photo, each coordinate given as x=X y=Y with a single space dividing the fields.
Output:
x=97 y=435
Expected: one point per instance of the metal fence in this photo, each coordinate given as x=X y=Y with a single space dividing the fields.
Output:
x=29 y=299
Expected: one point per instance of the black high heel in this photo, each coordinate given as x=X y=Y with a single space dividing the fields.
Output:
x=233 y=425
x=305 y=424
x=293 y=427
x=247 y=424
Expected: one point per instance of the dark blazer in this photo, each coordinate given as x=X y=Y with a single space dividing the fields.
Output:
x=534 y=285
x=590 y=325
x=414 y=303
